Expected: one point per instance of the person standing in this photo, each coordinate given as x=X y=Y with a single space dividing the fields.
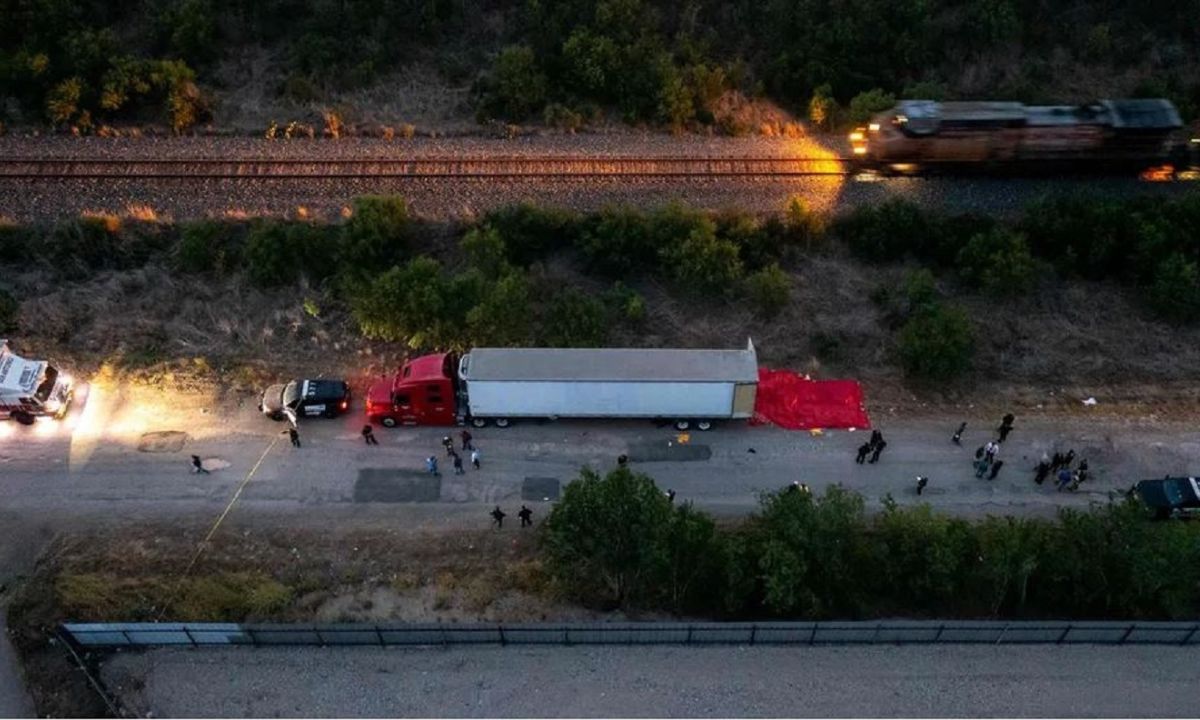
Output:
x=198 y=466
x=368 y=434
x=1006 y=426
x=1068 y=459
x=431 y=465
x=294 y=436
x=449 y=445
x=475 y=458
x=863 y=451
x=957 y=437
x=876 y=452
x=670 y=496
x=922 y=481
x=1056 y=462
x=990 y=450
x=466 y=440
x=1064 y=478
x=498 y=516
x=526 y=516
x=1043 y=470
x=458 y=465
x=996 y=469
x=981 y=466
x=876 y=438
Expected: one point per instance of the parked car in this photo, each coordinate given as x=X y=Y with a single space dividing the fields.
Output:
x=1171 y=496
x=305 y=398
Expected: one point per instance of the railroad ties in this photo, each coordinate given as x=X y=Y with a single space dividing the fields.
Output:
x=420 y=167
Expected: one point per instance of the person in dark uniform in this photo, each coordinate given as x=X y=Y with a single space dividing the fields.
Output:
x=1043 y=470
x=294 y=436
x=1006 y=426
x=996 y=469
x=458 y=465
x=863 y=451
x=922 y=481
x=368 y=434
x=526 y=516
x=878 y=449
x=466 y=440
x=670 y=495
x=957 y=437
x=449 y=445
x=198 y=466
x=876 y=438
x=498 y=516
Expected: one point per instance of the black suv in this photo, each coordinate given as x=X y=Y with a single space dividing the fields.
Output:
x=305 y=398
x=1171 y=496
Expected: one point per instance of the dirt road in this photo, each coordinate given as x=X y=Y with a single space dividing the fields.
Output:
x=949 y=681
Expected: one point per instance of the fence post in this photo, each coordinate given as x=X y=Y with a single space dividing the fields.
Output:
x=1190 y=635
x=253 y=636
x=125 y=635
x=379 y=635
x=503 y=640
x=689 y=635
x=938 y=637
x=191 y=639
x=1064 y=634
x=753 y=632
x=812 y=636
x=1001 y=635
x=320 y=638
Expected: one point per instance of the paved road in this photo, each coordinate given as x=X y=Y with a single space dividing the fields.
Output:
x=954 y=681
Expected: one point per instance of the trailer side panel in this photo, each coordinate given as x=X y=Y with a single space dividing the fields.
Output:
x=710 y=400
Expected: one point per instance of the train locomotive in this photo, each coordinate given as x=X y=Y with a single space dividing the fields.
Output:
x=1106 y=135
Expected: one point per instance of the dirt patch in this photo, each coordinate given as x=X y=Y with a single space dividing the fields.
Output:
x=166 y=441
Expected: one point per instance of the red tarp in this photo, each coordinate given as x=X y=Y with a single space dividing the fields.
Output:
x=792 y=401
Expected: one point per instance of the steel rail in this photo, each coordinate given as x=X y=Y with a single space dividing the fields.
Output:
x=421 y=167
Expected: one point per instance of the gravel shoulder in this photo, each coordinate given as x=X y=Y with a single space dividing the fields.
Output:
x=947 y=681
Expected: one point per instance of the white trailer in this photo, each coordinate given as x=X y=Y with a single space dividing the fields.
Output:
x=685 y=387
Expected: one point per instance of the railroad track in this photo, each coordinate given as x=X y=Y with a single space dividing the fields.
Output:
x=425 y=167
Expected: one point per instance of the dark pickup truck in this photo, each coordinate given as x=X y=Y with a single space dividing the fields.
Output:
x=1171 y=496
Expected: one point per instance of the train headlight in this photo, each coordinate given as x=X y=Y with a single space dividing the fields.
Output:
x=873 y=127
x=860 y=150
x=856 y=136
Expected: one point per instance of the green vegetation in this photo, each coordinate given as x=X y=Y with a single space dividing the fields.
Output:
x=8 y=311
x=221 y=597
x=615 y=541
x=81 y=63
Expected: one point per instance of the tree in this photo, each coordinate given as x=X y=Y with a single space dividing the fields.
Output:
x=411 y=304
x=1175 y=291
x=485 y=251
x=703 y=263
x=999 y=262
x=608 y=538
x=822 y=108
x=769 y=290
x=376 y=237
x=936 y=343
x=502 y=317
x=574 y=319
x=517 y=87
x=865 y=104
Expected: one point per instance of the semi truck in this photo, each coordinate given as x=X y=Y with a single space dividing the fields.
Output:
x=689 y=388
x=31 y=388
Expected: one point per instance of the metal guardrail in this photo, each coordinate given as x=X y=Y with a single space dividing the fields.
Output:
x=890 y=632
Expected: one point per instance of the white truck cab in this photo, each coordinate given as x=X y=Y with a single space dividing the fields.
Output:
x=31 y=388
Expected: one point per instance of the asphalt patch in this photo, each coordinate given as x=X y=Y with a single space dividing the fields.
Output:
x=392 y=485
x=539 y=489
x=162 y=442
x=668 y=451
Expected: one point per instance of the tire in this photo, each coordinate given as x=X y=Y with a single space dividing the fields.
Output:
x=388 y=422
x=23 y=417
x=477 y=422
x=682 y=425
x=704 y=425
x=502 y=422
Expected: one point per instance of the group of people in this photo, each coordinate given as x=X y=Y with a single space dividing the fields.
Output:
x=1059 y=465
x=525 y=514
x=986 y=462
x=431 y=462
x=872 y=447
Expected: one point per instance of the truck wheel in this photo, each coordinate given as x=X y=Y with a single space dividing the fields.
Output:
x=23 y=417
x=388 y=422
x=682 y=425
x=479 y=422
x=704 y=425
x=501 y=422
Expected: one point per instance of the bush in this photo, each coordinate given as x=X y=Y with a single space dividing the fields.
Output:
x=410 y=304
x=865 y=104
x=485 y=251
x=702 y=263
x=616 y=541
x=1174 y=293
x=999 y=262
x=617 y=243
x=376 y=237
x=516 y=87
x=573 y=319
x=502 y=316
x=769 y=290
x=936 y=343
x=9 y=307
x=533 y=233
x=624 y=302
x=270 y=260
x=823 y=109
x=887 y=232
x=80 y=247
x=205 y=246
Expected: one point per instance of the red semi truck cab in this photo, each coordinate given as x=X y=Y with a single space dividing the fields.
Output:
x=424 y=392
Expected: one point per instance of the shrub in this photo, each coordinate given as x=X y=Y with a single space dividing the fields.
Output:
x=532 y=233
x=1174 y=293
x=888 y=232
x=865 y=104
x=702 y=263
x=999 y=262
x=207 y=246
x=626 y=303
x=769 y=290
x=410 y=304
x=80 y=247
x=823 y=109
x=376 y=237
x=8 y=311
x=936 y=343
x=618 y=243
x=485 y=251
x=574 y=319
x=270 y=260
x=516 y=87
x=502 y=317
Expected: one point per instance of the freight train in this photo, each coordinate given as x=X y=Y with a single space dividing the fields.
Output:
x=1108 y=135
